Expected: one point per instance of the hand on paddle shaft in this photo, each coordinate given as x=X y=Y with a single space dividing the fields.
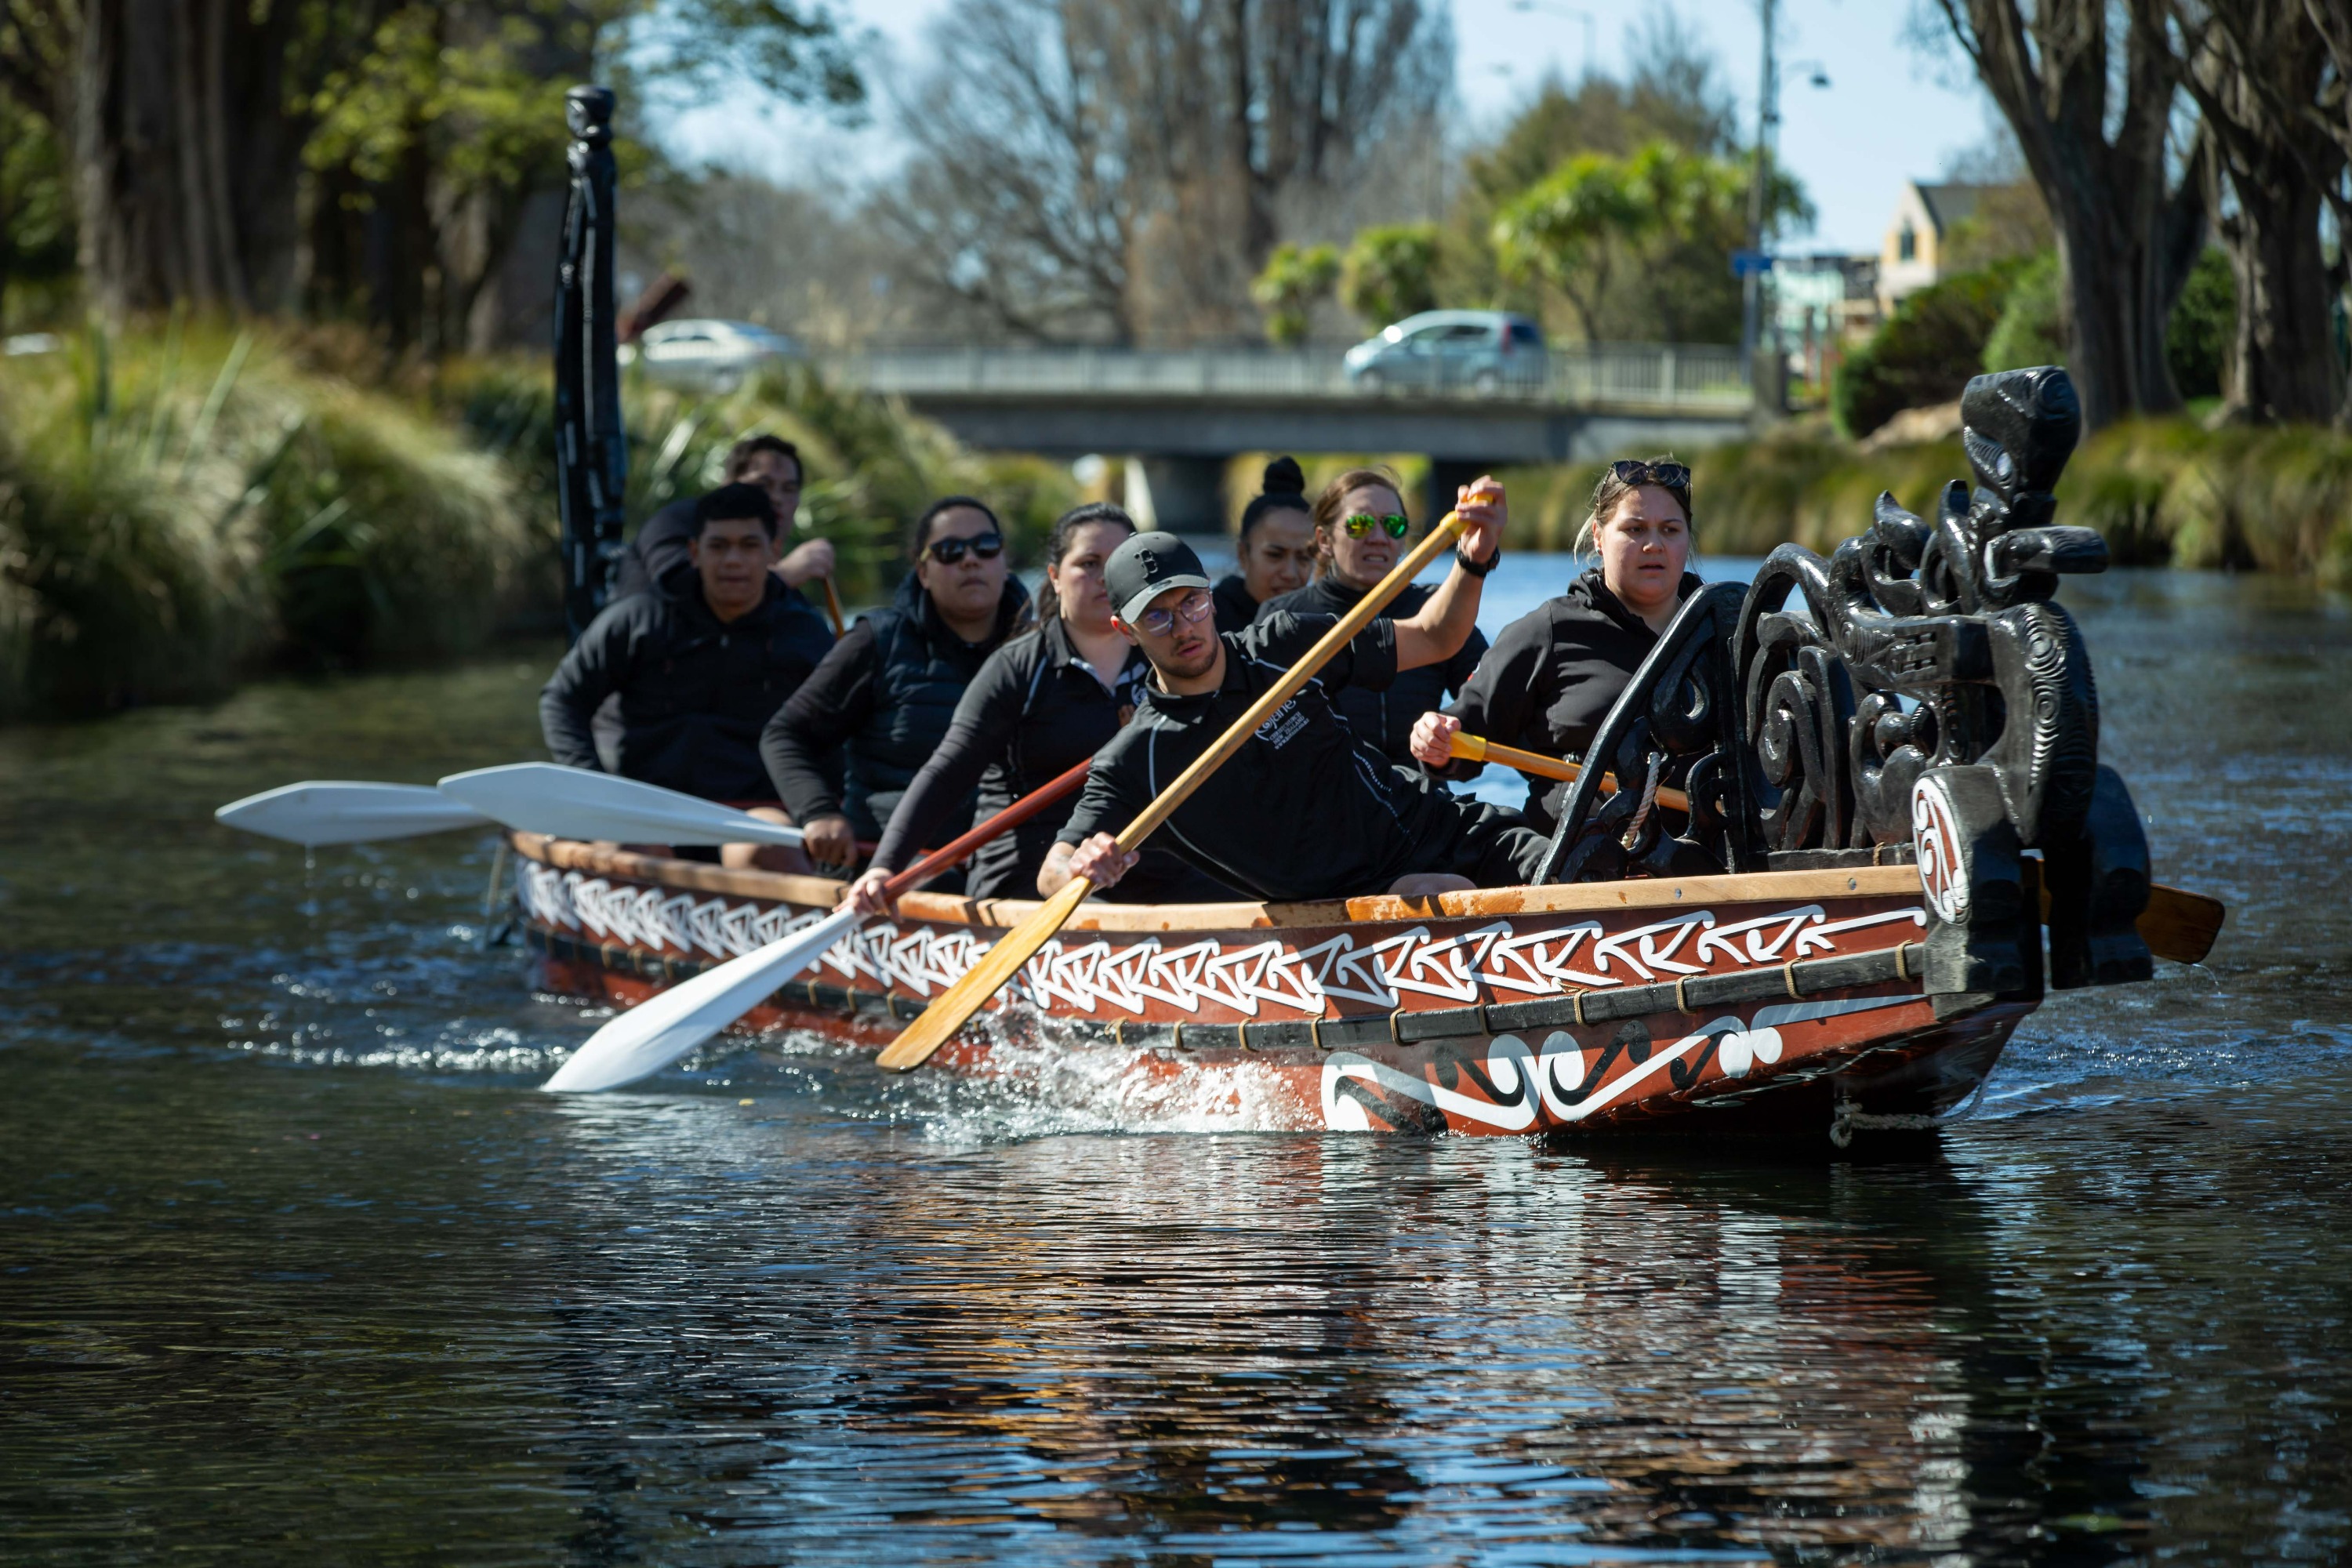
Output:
x=1480 y=517
x=1438 y=740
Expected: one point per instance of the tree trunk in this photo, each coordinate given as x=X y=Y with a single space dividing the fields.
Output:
x=2118 y=224
x=2285 y=355
x=185 y=162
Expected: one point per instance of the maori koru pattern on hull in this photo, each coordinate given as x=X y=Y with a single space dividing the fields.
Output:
x=1100 y=977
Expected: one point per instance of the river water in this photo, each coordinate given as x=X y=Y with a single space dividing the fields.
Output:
x=295 y=1265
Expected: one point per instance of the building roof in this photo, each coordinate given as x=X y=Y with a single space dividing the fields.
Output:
x=1948 y=204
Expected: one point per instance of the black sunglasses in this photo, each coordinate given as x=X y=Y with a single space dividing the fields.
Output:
x=948 y=551
x=1669 y=476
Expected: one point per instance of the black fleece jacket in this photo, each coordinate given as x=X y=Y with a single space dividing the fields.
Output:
x=1385 y=718
x=693 y=691
x=1551 y=678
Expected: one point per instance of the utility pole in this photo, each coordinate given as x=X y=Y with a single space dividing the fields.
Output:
x=1752 y=330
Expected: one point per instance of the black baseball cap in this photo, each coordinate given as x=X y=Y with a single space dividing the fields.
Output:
x=1146 y=566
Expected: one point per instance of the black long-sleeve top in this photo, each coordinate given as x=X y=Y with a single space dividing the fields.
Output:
x=1035 y=711
x=1551 y=678
x=858 y=730
x=1385 y=718
x=693 y=691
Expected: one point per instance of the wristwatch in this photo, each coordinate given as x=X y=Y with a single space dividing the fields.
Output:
x=1479 y=569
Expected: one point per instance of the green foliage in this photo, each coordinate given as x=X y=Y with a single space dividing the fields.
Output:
x=2163 y=491
x=1296 y=279
x=36 y=221
x=2032 y=325
x=1925 y=353
x=1390 y=273
x=2204 y=323
x=1639 y=245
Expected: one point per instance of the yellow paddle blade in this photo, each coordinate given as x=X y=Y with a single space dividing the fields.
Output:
x=997 y=966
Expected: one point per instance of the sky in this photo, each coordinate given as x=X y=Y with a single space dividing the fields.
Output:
x=1888 y=113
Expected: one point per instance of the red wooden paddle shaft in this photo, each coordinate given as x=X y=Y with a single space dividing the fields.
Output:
x=948 y=854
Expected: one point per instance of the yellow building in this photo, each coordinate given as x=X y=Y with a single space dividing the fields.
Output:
x=1912 y=256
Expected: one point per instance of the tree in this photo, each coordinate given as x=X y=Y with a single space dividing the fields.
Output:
x=1296 y=278
x=1570 y=228
x=1123 y=170
x=1390 y=273
x=2259 y=70
x=2092 y=128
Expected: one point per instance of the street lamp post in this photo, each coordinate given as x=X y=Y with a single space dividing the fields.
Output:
x=1768 y=121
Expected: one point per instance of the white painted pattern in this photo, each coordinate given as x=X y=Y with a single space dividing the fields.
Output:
x=1093 y=976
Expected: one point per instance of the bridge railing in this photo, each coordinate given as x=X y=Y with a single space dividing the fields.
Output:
x=1653 y=374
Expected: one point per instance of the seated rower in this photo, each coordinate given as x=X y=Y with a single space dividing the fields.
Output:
x=660 y=554
x=1360 y=530
x=881 y=701
x=695 y=669
x=1042 y=704
x=1306 y=808
x=1276 y=551
x=1555 y=673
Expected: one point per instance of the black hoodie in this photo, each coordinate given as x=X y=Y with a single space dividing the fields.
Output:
x=883 y=700
x=1551 y=678
x=1385 y=718
x=693 y=691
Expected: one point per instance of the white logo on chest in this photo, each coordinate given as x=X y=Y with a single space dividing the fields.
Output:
x=1279 y=731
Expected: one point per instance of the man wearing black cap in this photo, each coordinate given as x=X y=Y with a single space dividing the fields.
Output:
x=1304 y=810
x=698 y=664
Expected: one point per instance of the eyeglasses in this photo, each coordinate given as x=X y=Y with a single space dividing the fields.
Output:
x=1396 y=523
x=1667 y=475
x=1195 y=607
x=948 y=551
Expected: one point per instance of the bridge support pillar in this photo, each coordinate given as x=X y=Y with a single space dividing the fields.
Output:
x=1447 y=478
x=1188 y=494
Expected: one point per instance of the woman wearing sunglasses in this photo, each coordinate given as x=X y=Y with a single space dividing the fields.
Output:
x=1046 y=701
x=1360 y=532
x=843 y=748
x=1555 y=673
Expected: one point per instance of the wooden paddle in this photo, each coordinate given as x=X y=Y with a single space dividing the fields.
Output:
x=952 y=1008
x=648 y=1037
x=1474 y=748
x=832 y=602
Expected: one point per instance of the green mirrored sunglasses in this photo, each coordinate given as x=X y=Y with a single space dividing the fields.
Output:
x=1362 y=523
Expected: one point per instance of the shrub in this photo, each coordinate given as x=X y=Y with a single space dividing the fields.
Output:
x=2204 y=322
x=1296 y=278
x=1925 y=353
x=1390 y=273
x=2032 y=325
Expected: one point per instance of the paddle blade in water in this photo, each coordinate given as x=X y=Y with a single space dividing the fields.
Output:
x=2181 y=925
x=656 y=1032
x=318 y=812
x=998 y=965
x=575 y=803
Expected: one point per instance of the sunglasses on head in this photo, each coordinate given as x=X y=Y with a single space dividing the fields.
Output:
x=1194 y=607
x=1396 y=524
x=1667 y=476
x=948 y=551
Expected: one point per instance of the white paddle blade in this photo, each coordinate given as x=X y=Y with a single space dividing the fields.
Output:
x=575 y=803
x=332 y=811
x=656 y=1032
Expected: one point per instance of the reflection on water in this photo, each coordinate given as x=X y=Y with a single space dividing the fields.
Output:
x=294 y=1265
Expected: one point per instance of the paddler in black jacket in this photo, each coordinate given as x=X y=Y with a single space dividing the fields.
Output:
x=883 y=698
x=658 y=557
x=1360 y=530
x=1276 y=550
x=1555 y=673
x=698 y=668
x=1042 y=704
x=1306 y=808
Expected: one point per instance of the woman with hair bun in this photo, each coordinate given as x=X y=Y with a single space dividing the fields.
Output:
x=1276 y=548
x=1360 y=532
x=1557 y=670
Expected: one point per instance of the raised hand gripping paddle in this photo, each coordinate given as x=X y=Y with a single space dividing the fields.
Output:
x=318 y=812
x=954 y=1006
x=648 y=1037
x=575 y=803
x=2177 y=924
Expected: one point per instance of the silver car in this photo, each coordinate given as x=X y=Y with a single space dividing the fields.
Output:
x=709 y=355
x=1484 y=351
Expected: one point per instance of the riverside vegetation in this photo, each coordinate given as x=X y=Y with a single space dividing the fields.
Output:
x=183 y=506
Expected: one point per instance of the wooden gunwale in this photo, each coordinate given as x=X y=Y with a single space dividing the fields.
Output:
x=1861 y=882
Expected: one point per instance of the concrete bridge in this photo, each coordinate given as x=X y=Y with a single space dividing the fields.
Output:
x=1186 y=413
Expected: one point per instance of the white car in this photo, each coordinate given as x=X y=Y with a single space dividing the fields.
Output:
x=708 y=355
